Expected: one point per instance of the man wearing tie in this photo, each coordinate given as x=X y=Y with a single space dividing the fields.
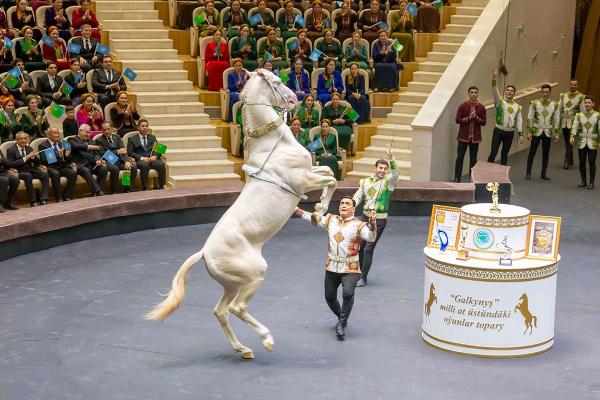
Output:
x=109 y=141
x=87 y=55
x=25 y=86
x=49 y=85
x=22 y=157
x=62 y=167
x=86 y=155
x=9 y=183
x=140 y=148
x=106 y=82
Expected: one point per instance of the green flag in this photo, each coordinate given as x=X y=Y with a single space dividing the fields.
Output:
x=126 y=178
x=397 y=46
x=66 y=89
x=329 y=83
x=27 y=44
x=2 y=118
x=352 y=114
x=12 y=82
x=238 y=118
x=56 y=110
x=199 y=19
x=284 y=77
x=159 y=148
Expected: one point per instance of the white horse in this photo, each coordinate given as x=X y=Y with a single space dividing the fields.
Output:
x=279 y=172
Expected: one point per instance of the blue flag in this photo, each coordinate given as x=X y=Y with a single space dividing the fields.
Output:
x=46 y=39
x=293 y=44
x=299 y=21
x=77 y=77
x=326 y=22
x=66 y=145
x=102 y=49
x=315 y=145
x=74 y=48
x=411 y=8
x=315 y=54
x=50 y=156
x=110 y=157
x=382 y=25
x=8 y=43
x=130 y=74
x=268 y=56
x=16 y=72
x=254 y=19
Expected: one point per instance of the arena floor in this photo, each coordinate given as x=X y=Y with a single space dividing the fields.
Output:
x=71 y=320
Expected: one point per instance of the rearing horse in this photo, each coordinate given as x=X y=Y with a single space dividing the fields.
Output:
x=523 y=306
x=432 y=298
x=279 y=172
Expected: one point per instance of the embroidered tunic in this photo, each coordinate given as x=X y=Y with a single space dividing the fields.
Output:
x=344 y=241
x=543 y=118
x=585 y=129
x=377 y=192
x=569 y=104
x=508 y=113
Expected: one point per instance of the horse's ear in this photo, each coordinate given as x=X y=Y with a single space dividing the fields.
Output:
x=262 y=72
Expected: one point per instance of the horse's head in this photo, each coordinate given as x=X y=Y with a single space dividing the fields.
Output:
x=264 y=87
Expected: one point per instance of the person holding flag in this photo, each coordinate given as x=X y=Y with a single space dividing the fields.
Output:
x=330 y=49
x=54 y=49
x=84 y=15
x=315 y=21
x=107 y=82
x=22 y=17
x=299 y=80
x=386 y=64
x=140 y=148
x=109 y=141
x=19 y=83
x=6 y=58
x=87 y=54
x=289 y=22
x=244 y=48
x=86 y=155
x=76 y=81
x=207 y=20
x=58 y=162
x=217 y=61
x=325 y=147
x=356 y=94
x=52 y=89
x=9 y=183
x=330 y=81
x=346 y=21
x=370 y=20
x=338 y=115
x=402 y=30
x=10 y=121
x=307 y=113
x=300 y=48
x=301 y=135
x=357 y=52
x=262 y=20
x=27 y=50
x=34 y=119
x=235 y=83
x=57 y=16
x=234 y=19
x=273 y=50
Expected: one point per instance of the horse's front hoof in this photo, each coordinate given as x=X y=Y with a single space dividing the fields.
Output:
x=268 y=343
x=248 y=355
x=315 y=219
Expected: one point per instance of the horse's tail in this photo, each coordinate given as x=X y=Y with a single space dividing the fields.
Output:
x=534 y=320
x=177 y=292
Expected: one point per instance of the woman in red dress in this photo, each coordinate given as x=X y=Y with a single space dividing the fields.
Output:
x=56 y=53
x=90 y=113
x=217 y=61
x=85 y=15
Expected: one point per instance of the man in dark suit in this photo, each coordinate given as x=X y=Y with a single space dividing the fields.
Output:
x=48 y=86
x=88 y=58
x=25 y=86
x=9 y=183
x=113 y=142
x=62 y=167
x=22 y=157
x=140 y=148
x=86 y=156
x=106 y=82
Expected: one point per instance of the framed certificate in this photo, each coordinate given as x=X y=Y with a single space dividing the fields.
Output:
x=543 y=237
x=446 y=219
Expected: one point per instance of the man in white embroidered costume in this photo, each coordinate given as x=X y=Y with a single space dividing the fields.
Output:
x=585 y=133
x=375 y=193
x=342 y=264
x=542 y=123
x=570 y=103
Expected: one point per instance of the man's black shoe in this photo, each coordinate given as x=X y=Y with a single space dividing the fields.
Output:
x=339 y=330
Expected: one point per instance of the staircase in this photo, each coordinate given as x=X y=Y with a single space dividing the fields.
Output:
x=165 y=97
x=397 y=128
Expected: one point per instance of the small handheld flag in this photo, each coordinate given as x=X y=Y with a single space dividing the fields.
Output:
x=126 y=178
x=26 y=44
x=66 y=89
x=102 y=49
x=326 y=22
x=47 y=40
x=254 y=19
x=299 y=21
x=314 y=55
x=74 y=48
x=315 y=145
x=56 y=110
x=130 y=74
x=238 y=118
x=159 y=148
x=438 y=4
x=285 y=78
x=199 y=19
x=16 y=72
x=11 y=81
x=3 y=117
x=8 y=43
x=411 y=8
x=66 y=145
x=382 y=25
x=110 y=157
x=397 y=46
x=77 y=78
x=50 y=155
x=268 y=56
x=352 y=114
x=292 y=45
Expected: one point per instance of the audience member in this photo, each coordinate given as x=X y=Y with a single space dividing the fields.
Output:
x=33 y=118
x=330 y=50
x=357 y=52
x=327 y=152
x=235 y=83
x=107 y=81
x=88 y=58
x=299 y=80
x=402 y=29
x=49 y=87
x=346 y=23
x=9 y=183
x=109 y=141
x=386 y=64
x=12 y=121
x=57 y=16
x=330 y=81
x=268 y=65
x=428 y=18
x=470 y=116
x=4 y=26
x=356 y=94
x=338 y=117
x=244 y=48
x=140 y=148
x=6 y=57
x=22 y=17
x=85 y=153
x=25 y=86
x=217 y=61
x=124 y=116
x=76 y=79
x=27 y=49
x=307 y=113
x=299 y=133
x=287 y=21
x=209 y=18
x=57 y=53
x=234 y=19
x=275 y=49
x=90 y=114
x=85 y=16
x=22 y=158
x=267 y=21
x=302 y=50
x=61 y=167
x=70 y=125
x=371 y=21
x=317 y=21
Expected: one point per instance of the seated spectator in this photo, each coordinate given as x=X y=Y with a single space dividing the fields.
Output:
x=308 y=115
x=62 y=167
x=107 y=81
x=235 y=83
x=57 y=53
x=6 y=57
x=428 y=18
x=402 y=31
x=34 y=119
x=371 y=20
x=327 y=153
x=85 y=16
x=274 y=47
x=268 y=65
x=4 y=26
x=27 y=50
x=70 y=125
x=331 y=50
x=354 y=6
x=140 y=148
x=300 y=5
x=244 y=47
x=23 y=17
x=124 y=116
x=234 y=19
x=346 y=21
x=357 y=52
x=9 y=183
x=21 y=157
x=287 y=21
x=267 y=21
x=386 y=64
x=88 y=58
x=217 y=61
x=12 y=121
x=90 y=114
x=49 y=88
x=338 y=116
x=85 y=153
x=24 y=88
x=316 y=22
x=302 y=50
x=330 y=81
x=299 y=80
x=299 y=133
x=109 y=141
x=57 y=16
x=210 y=20
x=356 y=94
x=76 y=79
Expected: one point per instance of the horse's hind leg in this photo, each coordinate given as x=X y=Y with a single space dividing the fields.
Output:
x=221 y=311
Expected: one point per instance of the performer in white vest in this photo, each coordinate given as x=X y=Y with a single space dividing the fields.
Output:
x=569 y=104
x=585 y=130
x=542 y=122
x=342 y=264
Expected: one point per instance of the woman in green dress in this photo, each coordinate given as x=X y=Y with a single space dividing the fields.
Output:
x=11 y=122
x=327 y=150
x=234 y=19
x=274 y=47
x=287 y=21
x=299 y=133
x=331 y=49
x=267 y=21
x=401 y=30
x=338 y=115
x=309 y=116
x=27 y=49
x=357 y=52
x=209 y=20
x=302 y=49
x=244 y=47
x=34 y=120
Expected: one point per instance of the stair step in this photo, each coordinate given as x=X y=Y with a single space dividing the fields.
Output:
x=474 y=3
x=469 y=10
x=451 y=37
x=357 y=175
x=195 y=180
x=157 y=74
x=146 y=54
x=184 y=130
x=408 y=108
x=400 y=118
x=464 y=19
x=425 y=87
x=162 y=86
x=458 y=29
x=214 y=153
x=190 y=142
x=123 y=5
x=122 y=44
x=398 y=142
x=413 y=97
x=365 y=164
x=433 y=66
x=171 y=108
x=131 y=24
x=163 y=65
x=200 y=167
x=380 y=152
x=426 y=76
x=170 y=97
x=395 y=130
x=438 y=56
x=446 y=47
x=138 y=33
x=178 y=119
x=136 y=14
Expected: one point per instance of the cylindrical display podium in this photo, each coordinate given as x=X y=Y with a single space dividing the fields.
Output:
x=479 y=307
